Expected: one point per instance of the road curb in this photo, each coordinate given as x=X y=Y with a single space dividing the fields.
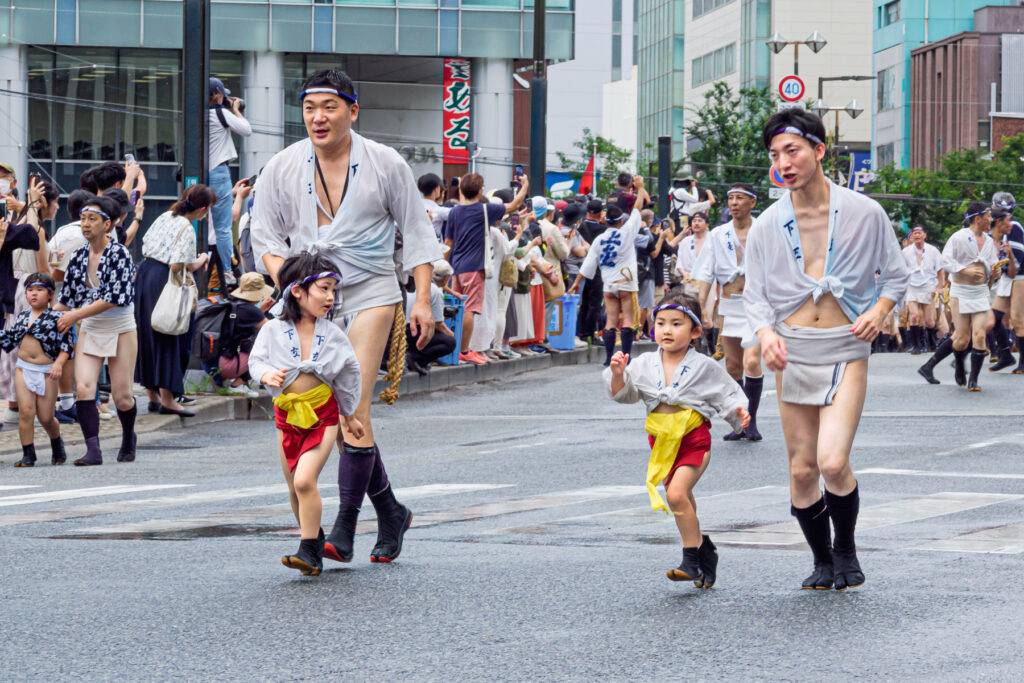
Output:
x=213 y=408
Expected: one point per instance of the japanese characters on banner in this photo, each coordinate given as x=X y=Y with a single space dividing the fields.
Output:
x=456 y=111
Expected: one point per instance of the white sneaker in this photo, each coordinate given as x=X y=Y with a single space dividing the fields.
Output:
x=105 y=413
x=579 y=343
x=241 y=390
x=230 y=280
x=512 y=354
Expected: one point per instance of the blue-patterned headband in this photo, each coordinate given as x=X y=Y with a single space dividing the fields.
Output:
x=38 y=284
x=969 y=216
x=99 y=211
x=793 y=130
x=677 y=307
x=740 y=190
x=353 y=98
x=306 y=281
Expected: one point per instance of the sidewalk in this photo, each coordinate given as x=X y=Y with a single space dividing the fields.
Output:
x=213 y=408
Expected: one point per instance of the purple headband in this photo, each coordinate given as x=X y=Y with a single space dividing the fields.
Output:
x=311 y=278
x=354 y=98
x=99 y=211
x=793 y=130
x=969 y=216
x=740 y=190
x=38 y=284
x=677 y=307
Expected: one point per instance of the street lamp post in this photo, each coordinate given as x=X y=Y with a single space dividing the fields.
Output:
x=821 y=109
x=777 y=44
x=822 y=79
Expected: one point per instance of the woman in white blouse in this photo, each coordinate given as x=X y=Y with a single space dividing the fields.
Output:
x=168 y=245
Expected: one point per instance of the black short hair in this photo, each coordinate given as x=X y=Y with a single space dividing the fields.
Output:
x=296 y=269
x=331 y=78
x=795 y=117
x=742 y=186
x=108 y=174
x=427 y=183
x=76 y=200
x=121 y=197
x=625 y=179
x=677 y=295
x=87 y=181
x=104 y=204
x=595 y=206
x=45 y=278
x=975 y=208
x=505 y=194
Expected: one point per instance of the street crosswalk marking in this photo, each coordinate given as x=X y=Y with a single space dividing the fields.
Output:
x=928 y=473
x=786 y=534
x=18 y=486
x=1008 y=540
x=157 y=526
x=70 y=494
x=1008 y=438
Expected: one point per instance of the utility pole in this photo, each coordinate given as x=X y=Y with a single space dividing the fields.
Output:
x=664 y=171
x=538 y=103
x=196 y=96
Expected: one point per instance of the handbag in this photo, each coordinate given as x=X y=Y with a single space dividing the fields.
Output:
x=553 y=291
x=509 y=274
x=177 y=301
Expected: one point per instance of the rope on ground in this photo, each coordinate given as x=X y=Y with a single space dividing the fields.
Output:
x=396 y=358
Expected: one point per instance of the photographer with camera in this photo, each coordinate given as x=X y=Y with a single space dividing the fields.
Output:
x=224 y=118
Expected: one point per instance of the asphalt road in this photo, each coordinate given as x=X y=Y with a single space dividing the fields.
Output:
x=535 y=555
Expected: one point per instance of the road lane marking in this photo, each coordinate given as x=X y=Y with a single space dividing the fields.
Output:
x=788 y=534
x=927 y=473
x=1010 y=438
x=50 y=496
x=156 y=526
x=1003 y=540
x=21 y=486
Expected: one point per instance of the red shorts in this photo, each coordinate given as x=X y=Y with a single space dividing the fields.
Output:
x=472 y=285
x=295 y=441
x=691 y=450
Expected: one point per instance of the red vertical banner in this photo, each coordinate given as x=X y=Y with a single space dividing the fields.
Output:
x=456 y=111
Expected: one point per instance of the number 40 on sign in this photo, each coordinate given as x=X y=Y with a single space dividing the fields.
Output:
x=791 y=88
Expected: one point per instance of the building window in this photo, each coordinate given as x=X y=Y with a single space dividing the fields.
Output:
x=891 y=13
x=702 y=7
x=714 y=65
x=887 y=89
x=883 y=155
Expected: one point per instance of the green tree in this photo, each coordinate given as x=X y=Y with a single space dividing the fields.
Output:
x=610 y=162
x=728 y=126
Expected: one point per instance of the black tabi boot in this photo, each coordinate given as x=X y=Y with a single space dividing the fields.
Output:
x=708 y=563
x=813 y=522
x=977 y=361
x=736 y=436
x=930 y=339
x=927 y=370
x=57 y=454
x=689 y=570
x=883 y=343
x=93 y=454
x=128 y=439
x=609 y=346
x=916 y=339
x=28 y=456
x=393 y=520
x=959 y=371
x=905 y=342
x=89 y=421
x=1006 y=360
x=1019 y=370
x=991 y=345
x=338 y=546
x=843 y=511
x=627 y=334
x=309 y=559
x=752 y=387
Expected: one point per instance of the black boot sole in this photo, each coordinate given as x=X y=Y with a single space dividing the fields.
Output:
x=401 y=538
x=86 y=463
x=677 y=575
x=306 y=568
x=22 y=463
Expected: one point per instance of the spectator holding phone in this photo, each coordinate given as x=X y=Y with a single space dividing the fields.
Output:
x=224 y=118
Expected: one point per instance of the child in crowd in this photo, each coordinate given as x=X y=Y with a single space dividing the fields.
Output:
x=681 y=390
x=311 y=369
x=42 y=352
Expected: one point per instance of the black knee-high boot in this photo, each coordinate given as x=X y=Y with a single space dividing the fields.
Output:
x=609 y=345
x=977 y=361
x=627 y=339
x=127 y=418
x=991 y=345
x=752 y=387
x=813 y=522
x=89 y=420
x=944 y=348
x=843 y=511
x=916 y=339
x=393 y=520
x=1006 y=358
x=959 y=369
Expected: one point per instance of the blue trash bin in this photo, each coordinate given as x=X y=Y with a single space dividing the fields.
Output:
x=455 y=323
x=562 y=331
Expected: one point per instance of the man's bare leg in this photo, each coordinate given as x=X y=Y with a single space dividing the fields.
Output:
x=611 y=310
x=1017 y=321
x=1001 y=318
x=360 y=468
x=744 y=366
x=818 y=440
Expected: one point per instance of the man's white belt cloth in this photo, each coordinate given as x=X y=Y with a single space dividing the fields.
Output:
x=34 y=375
x=100 y=334
x=734 y=323
x=919 y=295
x=970 y=298
x=816 y=362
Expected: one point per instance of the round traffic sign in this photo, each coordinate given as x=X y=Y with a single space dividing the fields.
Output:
x=791 y=88
x=776 y=178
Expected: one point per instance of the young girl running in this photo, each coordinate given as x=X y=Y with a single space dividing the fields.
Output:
x=681 y=390
x=311 y=369
x=42 y=352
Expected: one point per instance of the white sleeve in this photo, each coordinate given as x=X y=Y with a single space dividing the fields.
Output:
x=236 y=124
x=632 y=227
x=894 y=275
x=755 y=291
x=950 y=258
x=704 y=266
x=266 y=225
x=589 y=266
x=628 y=393
x=405 y=204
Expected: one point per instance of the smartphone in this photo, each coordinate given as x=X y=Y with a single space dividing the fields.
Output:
x=455 y=181
x=513 y=219
x=129 y=158
x=519 y=171
x=134 y=196
x=3 y=209
x=252 y=180
x=33 y=178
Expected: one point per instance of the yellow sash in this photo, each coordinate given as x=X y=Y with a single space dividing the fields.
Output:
x=301 y=408
x=668 y=430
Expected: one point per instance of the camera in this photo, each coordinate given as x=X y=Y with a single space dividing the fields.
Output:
x=241 y=104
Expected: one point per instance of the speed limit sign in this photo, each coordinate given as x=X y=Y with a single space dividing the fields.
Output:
x=791 y=88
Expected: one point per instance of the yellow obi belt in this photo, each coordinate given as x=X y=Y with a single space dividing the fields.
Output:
x=301 y=408
x=668 y=430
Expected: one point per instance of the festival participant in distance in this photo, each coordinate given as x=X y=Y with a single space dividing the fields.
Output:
x=312 y=372
x=1010 y=288
x=968 y=257
x=926 y=278
x=682 y=390
x=814 y=304
x=342 y=196
x=722 y=263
